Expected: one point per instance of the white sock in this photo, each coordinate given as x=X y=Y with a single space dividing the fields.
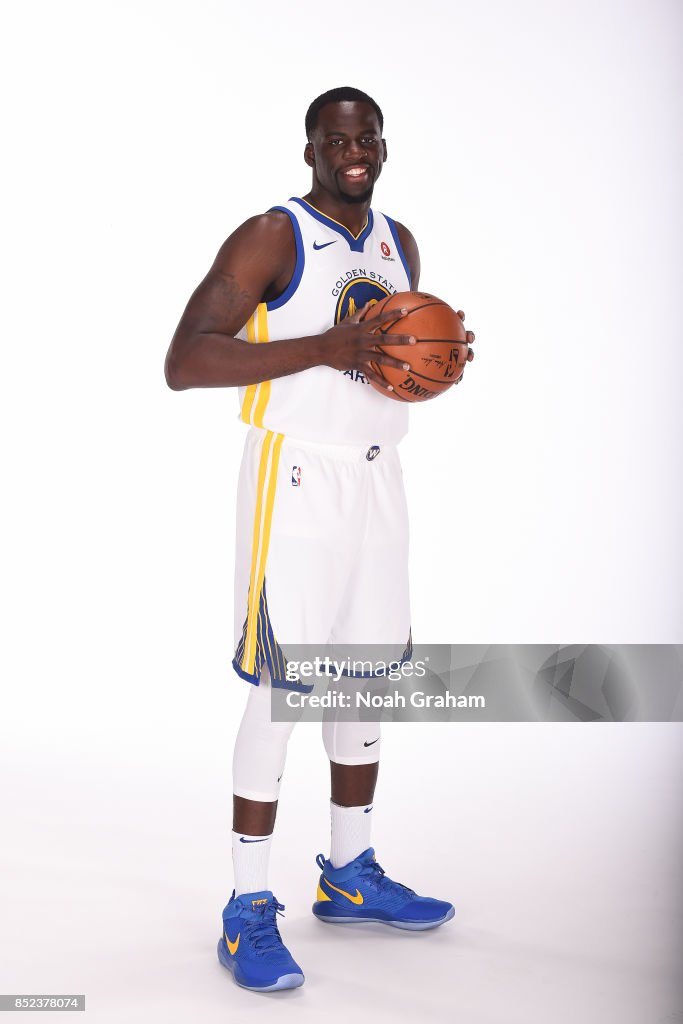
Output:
x=351 y=827
x=250 y=856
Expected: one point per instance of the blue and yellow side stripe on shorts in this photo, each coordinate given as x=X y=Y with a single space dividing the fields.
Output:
x=257 y=645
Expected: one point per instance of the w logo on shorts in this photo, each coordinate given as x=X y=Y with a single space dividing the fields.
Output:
x=296 y=476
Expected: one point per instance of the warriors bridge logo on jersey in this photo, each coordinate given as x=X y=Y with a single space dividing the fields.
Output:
x=355 y=288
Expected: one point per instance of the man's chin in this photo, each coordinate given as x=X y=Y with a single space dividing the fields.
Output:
x=359 y=197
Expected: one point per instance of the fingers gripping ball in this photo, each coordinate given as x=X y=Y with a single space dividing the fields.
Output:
x=438 y=359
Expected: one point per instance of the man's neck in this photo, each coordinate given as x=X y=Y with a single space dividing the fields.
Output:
x=353 y=216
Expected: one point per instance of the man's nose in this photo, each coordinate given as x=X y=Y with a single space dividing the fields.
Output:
x=355 y=149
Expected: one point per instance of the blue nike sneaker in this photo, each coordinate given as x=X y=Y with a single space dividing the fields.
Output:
x=251 y=946
x=361 y=891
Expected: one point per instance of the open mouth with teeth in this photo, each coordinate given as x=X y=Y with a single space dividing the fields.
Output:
x=357 y=173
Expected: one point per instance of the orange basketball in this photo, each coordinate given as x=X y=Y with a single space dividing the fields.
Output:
x=438 y=359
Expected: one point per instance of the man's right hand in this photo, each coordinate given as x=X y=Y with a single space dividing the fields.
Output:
x=353 y=345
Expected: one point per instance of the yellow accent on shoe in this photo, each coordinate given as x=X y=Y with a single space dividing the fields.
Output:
x=232 y=946
x=323 y=895
x=358 y=899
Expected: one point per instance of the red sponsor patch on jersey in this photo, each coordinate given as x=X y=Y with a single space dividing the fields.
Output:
x=385 y=249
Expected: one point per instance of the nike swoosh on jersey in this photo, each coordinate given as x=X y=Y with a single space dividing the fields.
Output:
x=366 y=744
x=324 y=245
x=232 y=946
x=358 y=898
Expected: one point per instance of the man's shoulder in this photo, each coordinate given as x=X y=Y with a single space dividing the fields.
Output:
x=271 y=224
x=268 y=236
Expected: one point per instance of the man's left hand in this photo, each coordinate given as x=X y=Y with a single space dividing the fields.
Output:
x=469 y=337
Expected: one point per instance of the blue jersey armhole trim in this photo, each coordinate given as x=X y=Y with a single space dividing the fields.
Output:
x=399 y=247
x=300 y=260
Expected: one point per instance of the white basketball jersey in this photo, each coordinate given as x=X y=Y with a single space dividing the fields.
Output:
x=336 y=274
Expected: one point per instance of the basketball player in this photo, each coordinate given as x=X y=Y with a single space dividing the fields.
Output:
x=278 y=316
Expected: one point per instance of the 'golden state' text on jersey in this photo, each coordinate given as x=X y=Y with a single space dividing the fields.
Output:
x=336 y=274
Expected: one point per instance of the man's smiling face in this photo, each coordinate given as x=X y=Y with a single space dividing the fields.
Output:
x=347 y=151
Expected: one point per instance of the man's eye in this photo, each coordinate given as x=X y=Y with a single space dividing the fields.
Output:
x=335 y=142
x=369 y=140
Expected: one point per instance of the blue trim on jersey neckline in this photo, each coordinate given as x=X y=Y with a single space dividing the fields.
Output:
x=399 y=247
x=300 y=261
x=355 y=244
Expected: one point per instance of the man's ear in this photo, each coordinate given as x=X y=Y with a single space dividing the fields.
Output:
x=309 y=156
x=384 y=150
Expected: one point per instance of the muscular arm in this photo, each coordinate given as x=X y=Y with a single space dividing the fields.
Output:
x=255 y=263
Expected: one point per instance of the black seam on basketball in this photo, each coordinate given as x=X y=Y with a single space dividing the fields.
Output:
x=432 y=380
x=393 y=386
x=414 y=309
x=382 y=303
x=440 y=341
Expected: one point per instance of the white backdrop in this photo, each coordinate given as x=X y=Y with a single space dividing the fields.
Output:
x=535 y=153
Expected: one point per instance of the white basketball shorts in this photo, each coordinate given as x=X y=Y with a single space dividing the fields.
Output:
x=322 y=551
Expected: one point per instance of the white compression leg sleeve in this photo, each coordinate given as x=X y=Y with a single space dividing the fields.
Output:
x=260 y=748
x=351 y=742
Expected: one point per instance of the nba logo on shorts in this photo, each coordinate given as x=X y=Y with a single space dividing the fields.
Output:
x=296 y=476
